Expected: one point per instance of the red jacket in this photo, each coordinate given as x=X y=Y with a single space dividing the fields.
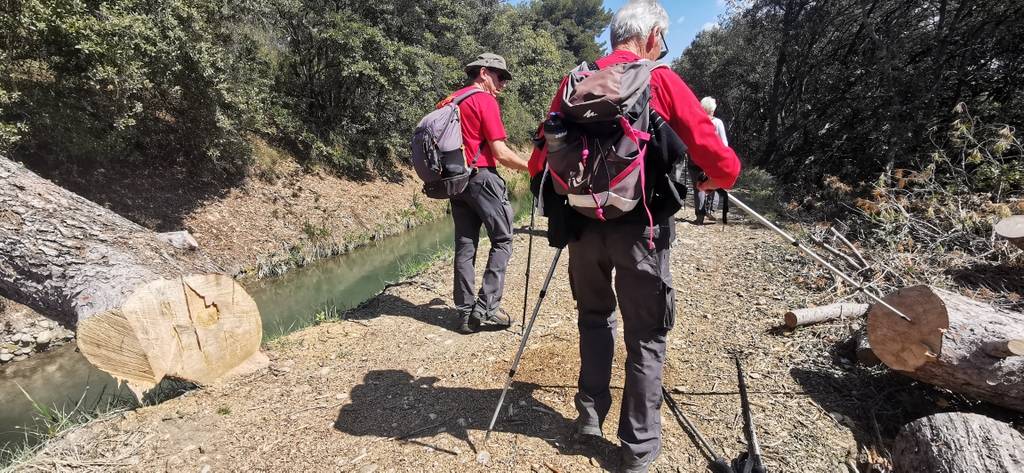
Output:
x=675 y=102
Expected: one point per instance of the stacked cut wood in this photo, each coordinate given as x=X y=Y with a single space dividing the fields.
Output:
x=143 y=309
x=952 y=342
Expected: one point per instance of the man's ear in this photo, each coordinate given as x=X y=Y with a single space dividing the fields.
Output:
x=654 y=39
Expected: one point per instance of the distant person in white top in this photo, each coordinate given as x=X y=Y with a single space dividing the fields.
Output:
x=710 y=105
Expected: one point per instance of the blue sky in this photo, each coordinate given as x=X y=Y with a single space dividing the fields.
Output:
x=688 y=18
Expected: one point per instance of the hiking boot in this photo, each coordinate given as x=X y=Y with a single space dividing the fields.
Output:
x=497 y=317
x=469 y=325
x=586 y=428
x=632 y=464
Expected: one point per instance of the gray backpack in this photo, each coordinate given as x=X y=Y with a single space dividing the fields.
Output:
x=437 y=150
x=597 y=144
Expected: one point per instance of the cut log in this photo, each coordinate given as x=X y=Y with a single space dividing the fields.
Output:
x=865 y=355
x=945 y=343
x=812 y=315
x=1005 y=348
x=1012 y=228
x=143 y=310
x=958 y=442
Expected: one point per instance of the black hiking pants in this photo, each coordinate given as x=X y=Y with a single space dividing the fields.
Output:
x=642 y=286
x=484 y=202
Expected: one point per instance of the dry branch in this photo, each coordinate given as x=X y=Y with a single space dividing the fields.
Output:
x=812 y=315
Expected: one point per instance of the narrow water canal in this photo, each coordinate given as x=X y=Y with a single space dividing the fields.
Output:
x=63 y=379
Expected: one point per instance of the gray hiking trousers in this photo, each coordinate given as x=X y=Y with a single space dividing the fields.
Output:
x=484 y=202
x=646 y=300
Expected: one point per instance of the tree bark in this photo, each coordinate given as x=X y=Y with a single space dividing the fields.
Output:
x=143 y=310
x=812 y=315
x=947 y=343
x=958 y=442
x=865 y=355
x=1012 y=228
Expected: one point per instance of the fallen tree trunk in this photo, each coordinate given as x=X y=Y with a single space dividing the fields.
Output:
x=1012 y=229
x=958 y=442
x=947 y=343
x=143 y=309
x=812 y=315
x=862 y=346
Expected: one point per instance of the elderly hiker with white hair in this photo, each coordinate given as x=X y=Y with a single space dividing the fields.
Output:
x=603 y=179
x=484 y=202
x=703 y=204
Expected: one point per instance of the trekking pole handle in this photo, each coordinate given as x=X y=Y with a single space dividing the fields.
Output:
x=793 y=241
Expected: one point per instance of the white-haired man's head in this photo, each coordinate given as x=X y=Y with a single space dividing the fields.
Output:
x=709 y=104
x=636 y=20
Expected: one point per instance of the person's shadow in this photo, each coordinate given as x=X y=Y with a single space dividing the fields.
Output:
x=437 y=312
x=394 y=405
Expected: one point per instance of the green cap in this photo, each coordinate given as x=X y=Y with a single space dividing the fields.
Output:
x=491 y=61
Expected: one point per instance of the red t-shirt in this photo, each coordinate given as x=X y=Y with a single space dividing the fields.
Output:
x=675 y=102
x=481 y=123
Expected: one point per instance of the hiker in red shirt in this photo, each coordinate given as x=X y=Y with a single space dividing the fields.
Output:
x=634 y=246
x=485 y=200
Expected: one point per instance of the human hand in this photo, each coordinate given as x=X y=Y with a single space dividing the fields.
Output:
x=709 y=185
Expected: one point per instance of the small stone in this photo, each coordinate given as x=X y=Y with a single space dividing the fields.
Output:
x=6 y=357
x=432 y=416
x=325 y=371
x=483 y=457
x=368 y=468
x=205 y=469
x=44 y=337
x=23 y=351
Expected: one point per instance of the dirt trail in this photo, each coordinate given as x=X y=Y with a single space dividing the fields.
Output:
x=394 y=388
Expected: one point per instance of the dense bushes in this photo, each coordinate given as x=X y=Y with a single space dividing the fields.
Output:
x=857 y=89
x=339 y=82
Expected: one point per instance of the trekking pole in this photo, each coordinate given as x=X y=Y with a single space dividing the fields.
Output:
x=750 y=462
x=716 y=463
x=529 y=259
x=793 y=241
x=522 y=343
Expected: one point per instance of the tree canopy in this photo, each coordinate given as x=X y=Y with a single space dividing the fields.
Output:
x=854 y=88
x=339 y=82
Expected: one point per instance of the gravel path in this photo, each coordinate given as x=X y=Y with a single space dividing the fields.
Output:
x=394 y=388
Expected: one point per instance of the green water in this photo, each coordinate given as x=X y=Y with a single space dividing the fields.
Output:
x=63 y=378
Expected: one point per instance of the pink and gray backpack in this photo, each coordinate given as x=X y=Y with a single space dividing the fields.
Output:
x=596 y=145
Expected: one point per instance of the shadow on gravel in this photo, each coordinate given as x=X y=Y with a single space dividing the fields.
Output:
x=437 y=312
x=396 y=406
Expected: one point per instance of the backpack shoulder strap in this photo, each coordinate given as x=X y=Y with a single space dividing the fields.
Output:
x=468 y=94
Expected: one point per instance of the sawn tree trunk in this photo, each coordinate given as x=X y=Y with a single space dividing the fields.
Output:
x=951 y=342
x=143 y=309
x=958 y=442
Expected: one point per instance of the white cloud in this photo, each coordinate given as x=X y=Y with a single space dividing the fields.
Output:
x=720 y=3
x=681 y=20
x=709 y=26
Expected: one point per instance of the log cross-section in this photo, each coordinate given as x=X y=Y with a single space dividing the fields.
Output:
x=142 y=308
x=949 y=343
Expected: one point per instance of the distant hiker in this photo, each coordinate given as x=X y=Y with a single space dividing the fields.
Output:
x=485 y=200
x=703 y=207
x=617 y=221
